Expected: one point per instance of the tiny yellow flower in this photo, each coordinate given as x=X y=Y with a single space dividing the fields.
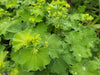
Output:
x=58 y=2
x=60 y=7
x=57 y=18
x=42 y=0
x=31 y=19
x=90 y=18
x=85 y=15
x=34 y=4
x=63 y=2
x=63 y=9
x=61 y=25
x=56 y=26
x=67 y=5
x=28 y=39
x=49 y=8
x=64 y=16
x=36 y=39
x=6 y=11
x=1 y=14
x=1 y=10
x=80 y=24
x=40 y=6
x=46 y=43
x=60 y=13
x=14 y=72
x=35 y=51
x=55 y=14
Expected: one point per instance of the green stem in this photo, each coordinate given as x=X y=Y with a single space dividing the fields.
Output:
x=96 y=26
x=98 y=18
x=99 y=7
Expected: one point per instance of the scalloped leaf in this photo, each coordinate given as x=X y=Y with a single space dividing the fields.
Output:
x=11 y=4
x=19 y=71
x=4 y=24
x=87 y=67
x=19 y=39
x=81 y=42
x=3 y=64
x=30 y=60
x=59 y=67
x=55 y=46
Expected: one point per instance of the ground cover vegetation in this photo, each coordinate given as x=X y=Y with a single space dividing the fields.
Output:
x=50 y=37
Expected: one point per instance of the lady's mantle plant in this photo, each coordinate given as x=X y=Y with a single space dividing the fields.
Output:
x=43 y=38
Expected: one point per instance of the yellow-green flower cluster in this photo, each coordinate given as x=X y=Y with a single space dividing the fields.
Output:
x=2 y=12
x=49 y=8
x=58 y=9
x=80 y=24
x=11 y=4
x=14 y=72
x=88 y=17
x=57 y=15
x=32 y=40
x=36 y=11
x=39 y=4
x=60 y=2
x=36 y=39
x=31 y=19
x=28 y=39
x=58 y=26
x=46 y=43
x=67 y=5
x=40 y=0
x=35 y=51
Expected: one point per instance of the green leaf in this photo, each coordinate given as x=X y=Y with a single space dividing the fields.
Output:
x=87 y=67
x=68 y=58
x=81 y=49
x=3 y=63
x=44 y=72
x=58 y=67
x=37 y=12
x=22 y=72
x=41 y=29
x=55 y=46
x=9 y=35
x=15 y=26
x=20 y=39
x=81 y=9
x=4 y=24
x=19 y=71
x=96 y=26
x=24 y=14
x=12 y=4
x=30 y=60
x=3 y=1
x=2 y=47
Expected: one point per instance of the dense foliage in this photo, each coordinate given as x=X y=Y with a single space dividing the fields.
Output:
x=41 y=37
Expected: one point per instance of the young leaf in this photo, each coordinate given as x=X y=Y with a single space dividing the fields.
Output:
x=32 y=59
